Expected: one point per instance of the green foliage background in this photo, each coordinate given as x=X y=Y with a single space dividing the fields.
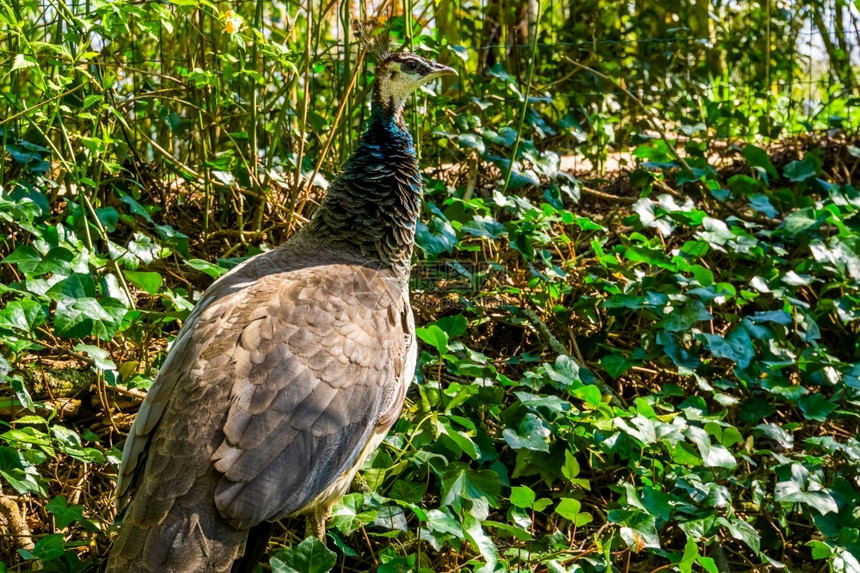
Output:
x=649 y=369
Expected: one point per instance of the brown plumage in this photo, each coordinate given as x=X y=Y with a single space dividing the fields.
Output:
x=289 y=371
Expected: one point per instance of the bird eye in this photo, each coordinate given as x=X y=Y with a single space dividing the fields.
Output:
x=410 y=66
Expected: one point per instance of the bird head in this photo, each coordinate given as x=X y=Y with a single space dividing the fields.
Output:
x=401 y=73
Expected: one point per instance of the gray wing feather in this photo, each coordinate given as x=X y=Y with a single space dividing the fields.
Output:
x=278 y=381
x=304 y=414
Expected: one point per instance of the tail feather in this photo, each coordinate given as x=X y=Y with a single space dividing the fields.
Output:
x=191 y=538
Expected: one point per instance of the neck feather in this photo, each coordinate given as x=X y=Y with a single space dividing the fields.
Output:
x=388 y=101
x=372 y=208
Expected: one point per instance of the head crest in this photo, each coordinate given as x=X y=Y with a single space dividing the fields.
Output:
x=372 y=34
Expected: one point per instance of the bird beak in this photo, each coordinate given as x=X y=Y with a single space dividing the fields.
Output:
x=441 y=70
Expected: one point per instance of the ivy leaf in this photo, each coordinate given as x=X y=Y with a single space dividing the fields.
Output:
x=21 y=392
x=819 y=549
x=656 y=152
x=88 y=316
x=531 y=434
x=64 y=514
x=736 y=347
x=20 y=473
x=797 y=486
x=309 y=556
x=47 y=548
x=506 y=136
x=213 y=271
x=147 y=281
x=639 y=528
x=760 y=160
x=100 y=356
x=816 y=407
x=437 y=236
x=453 y=326
x=713 y=455
x=435 y=337
x=802 y=170
x=688 y=559
x=57 y=262
x=472 y=485
x=742 y=531
x=616 y=364
x=472 y=141
x=347 y=516
x=441 y=522
x=522 y=496
x=476 y=535
x=682 y=319
x=763 y=205
x=24 y=315
x=568 y=508
x=25 y=257
x=75 y=286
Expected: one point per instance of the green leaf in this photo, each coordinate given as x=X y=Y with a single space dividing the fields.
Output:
x=798 y=489
x=656 y=151
x=20 y=473
x=762 y=204
x=472 y=485
x=309 y=556
x=476 y=535
x=25 y=257
x=590 y=394
x=531 y=434
x=147 y=281
x=820 y=550
x=64 y=514
x=760 y=160
x=506 y=136
x=742 y=531
x=47 y=548
x=571 y=468
x=816 y=407
x=347 y=516
x=57 y=261
x=616 y=364
x=21 y=392
x=801 y=221
x=441 y=522
x=737 y=346
x=639 y=529
x=472 y=141
x=522 y=496
x=802 y=170
x=24 y=315
x=213 y=271
x=435 y=337
x=100 y=356
x=76 y=285
x=682 y=319
x=568 y=508
x=408 y=491
x=713 y=455
x=688 y=559
x=22 y=61
x=454 y=326
x=708 y=564
x=88 y=316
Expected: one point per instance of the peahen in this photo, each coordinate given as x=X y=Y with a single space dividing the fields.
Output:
x=288 y=372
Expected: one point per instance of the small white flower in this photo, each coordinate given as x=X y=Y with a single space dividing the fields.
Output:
x=232 y=22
